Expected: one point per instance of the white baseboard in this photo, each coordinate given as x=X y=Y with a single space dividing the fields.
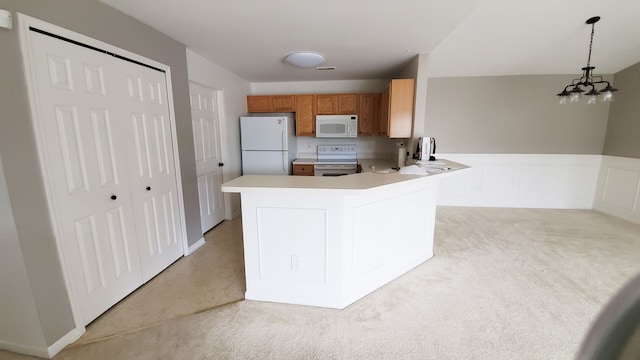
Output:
x=618 y=190
x=43 y=352
x=556 y=181
x=195 y=246
x=69 y=338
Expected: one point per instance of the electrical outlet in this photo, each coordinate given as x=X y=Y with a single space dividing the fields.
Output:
x=296 y=262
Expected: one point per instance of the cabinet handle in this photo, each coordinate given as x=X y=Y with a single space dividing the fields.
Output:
x=148 y=188
x=220 y=164
x=113 y=197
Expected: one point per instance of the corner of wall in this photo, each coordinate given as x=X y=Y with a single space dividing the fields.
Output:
x=618 y=190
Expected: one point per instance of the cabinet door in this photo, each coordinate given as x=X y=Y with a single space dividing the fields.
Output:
x=283 y=103
x=305 y=115
x=347 y=104
x=327 y=104
x=368 y=114
x=303 y=170
x=261 y=103
x=382 y=127
x=401 y=108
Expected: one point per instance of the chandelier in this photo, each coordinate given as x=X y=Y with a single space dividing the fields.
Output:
x=573 y=92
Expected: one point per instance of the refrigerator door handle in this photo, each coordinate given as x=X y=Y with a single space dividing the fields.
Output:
x=284 y=140
x=284 y=163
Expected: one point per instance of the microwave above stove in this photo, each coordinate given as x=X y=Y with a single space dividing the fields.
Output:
x=336 y=126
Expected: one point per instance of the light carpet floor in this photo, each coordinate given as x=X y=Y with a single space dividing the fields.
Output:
x=210 y=277
x=503 y=284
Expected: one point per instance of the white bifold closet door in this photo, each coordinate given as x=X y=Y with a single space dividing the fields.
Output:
x=105 y=130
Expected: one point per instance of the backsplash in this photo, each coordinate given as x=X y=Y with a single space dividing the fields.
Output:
x=369 y=147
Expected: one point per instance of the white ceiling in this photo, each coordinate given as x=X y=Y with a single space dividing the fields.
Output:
x=375 y=39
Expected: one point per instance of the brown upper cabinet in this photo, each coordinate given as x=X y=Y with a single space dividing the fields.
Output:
x=305 y=115
x=369 y=114
x=336 y=104
x=388 y=114
x=271 y=103
x=397 y=109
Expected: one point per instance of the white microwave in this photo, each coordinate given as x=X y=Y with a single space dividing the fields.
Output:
x=336 y=126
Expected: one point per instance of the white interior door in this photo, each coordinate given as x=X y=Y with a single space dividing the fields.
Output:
x=86 y=156
x=205 y=117
x=105 y=132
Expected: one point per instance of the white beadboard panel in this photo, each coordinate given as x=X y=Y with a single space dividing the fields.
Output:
x=499 y=184
x=618 y=190
x=555 y=181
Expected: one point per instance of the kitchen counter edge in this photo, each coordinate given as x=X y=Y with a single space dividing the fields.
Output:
x=348 y=183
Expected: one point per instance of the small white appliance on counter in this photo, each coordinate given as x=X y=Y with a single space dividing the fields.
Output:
x=336 y=126
x=426 y=149
x=268 y=144
x=336 y=160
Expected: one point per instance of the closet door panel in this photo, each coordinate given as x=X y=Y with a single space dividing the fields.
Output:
x=86 y=167
x=152 y=175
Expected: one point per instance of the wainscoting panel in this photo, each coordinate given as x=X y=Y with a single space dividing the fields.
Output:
x=555 y=181
x=618 y=190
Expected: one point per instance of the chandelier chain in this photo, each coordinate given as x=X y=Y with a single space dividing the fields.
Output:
x=590 y=44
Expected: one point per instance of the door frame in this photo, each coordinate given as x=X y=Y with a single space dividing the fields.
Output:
x=26 y=47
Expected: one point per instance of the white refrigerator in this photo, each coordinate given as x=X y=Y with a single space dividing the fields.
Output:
x=268 y=144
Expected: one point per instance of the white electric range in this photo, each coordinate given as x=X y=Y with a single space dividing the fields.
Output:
x=336 y=160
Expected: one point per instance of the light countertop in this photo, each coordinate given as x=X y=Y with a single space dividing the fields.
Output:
x=307 y=161
x=355 y=182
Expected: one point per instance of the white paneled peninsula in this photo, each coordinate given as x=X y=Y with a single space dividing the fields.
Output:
x=329 y=241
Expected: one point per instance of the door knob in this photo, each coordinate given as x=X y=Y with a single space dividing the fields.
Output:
x=113 y=197
x=148 y=188
x=220 y=164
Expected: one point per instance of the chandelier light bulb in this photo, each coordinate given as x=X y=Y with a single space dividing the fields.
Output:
x=574 y=97
x=607 y=96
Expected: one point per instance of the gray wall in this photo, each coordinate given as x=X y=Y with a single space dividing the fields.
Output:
x=17 y=142
x=19 y=323
x=623 y=129
x=511 y=114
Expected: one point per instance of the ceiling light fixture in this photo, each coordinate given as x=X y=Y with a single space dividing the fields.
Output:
x=588 y=80
x=304 y=59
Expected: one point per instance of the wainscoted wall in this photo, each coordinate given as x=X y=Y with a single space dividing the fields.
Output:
x=618 y=190
x=558 y=181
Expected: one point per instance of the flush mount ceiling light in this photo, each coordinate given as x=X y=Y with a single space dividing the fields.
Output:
x=304 y=59
x=573 y=92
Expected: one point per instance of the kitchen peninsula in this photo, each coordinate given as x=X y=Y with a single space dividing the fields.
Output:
x=329 y=241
